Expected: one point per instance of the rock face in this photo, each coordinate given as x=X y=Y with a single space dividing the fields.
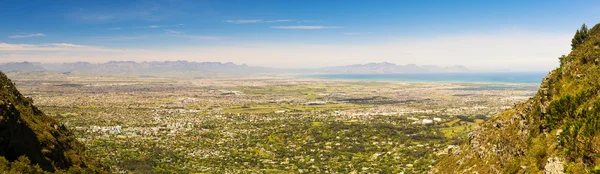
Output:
x=554 y=166
x=27 y=131
x=556 y=131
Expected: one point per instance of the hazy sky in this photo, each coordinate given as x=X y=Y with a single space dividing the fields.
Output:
x=518 y=35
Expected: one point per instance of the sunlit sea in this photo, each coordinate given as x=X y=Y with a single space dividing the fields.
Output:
x=508 y=77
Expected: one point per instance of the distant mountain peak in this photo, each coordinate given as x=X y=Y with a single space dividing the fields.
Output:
x=21 y=66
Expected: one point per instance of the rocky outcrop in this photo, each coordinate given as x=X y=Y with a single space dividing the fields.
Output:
x=554 y=166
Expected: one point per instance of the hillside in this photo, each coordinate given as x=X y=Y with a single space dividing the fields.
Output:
x=556 y=131
x=31 y=142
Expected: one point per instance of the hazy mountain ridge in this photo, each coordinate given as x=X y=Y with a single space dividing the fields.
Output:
x=117 y=67
x=113 y=67
x=556 y=131
x=22 y=66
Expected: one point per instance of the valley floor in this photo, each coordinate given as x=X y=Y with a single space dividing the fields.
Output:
x=266 y=124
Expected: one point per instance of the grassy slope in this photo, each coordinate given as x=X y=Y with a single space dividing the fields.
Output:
x=562 y=121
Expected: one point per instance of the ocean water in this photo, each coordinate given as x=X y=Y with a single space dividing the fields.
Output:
x=509 y=77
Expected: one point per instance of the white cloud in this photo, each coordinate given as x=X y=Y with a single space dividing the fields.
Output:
x=6 y=47
x=173 y=32
x=68 y=45
x=354 y=33
x=308 y=21
x=305 y=27
x=152 y=26
x=254 y=21
x=121 y=38
x=198 y=37
x=244 y=21
x=27 y=35
x=159 y=26
x=281 y=20
x=96 y=17
x=179 y=34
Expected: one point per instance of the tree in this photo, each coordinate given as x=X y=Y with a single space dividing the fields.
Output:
x=23 y=165
x=580 y=37
x=562 y=59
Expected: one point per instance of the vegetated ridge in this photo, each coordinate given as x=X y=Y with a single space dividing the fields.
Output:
x=556 y=131
x=31 y=142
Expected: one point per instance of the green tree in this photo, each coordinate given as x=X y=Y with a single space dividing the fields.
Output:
x=562 y=59
x=580 y=37
x=4 y=164
x=23 y=165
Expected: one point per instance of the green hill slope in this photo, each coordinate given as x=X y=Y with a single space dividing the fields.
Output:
x=31 y=142
x=558 y=130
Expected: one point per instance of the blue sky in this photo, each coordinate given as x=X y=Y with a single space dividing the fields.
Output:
x=508 y=34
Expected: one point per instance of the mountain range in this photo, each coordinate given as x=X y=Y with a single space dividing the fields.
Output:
x=130 y=67
x=119 y=67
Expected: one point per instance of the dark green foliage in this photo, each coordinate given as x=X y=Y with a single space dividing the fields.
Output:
x=566 y=107
x=23 y=165
x=579 y=133
x=466 y=118
x=562 y=59
x=580 y=37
